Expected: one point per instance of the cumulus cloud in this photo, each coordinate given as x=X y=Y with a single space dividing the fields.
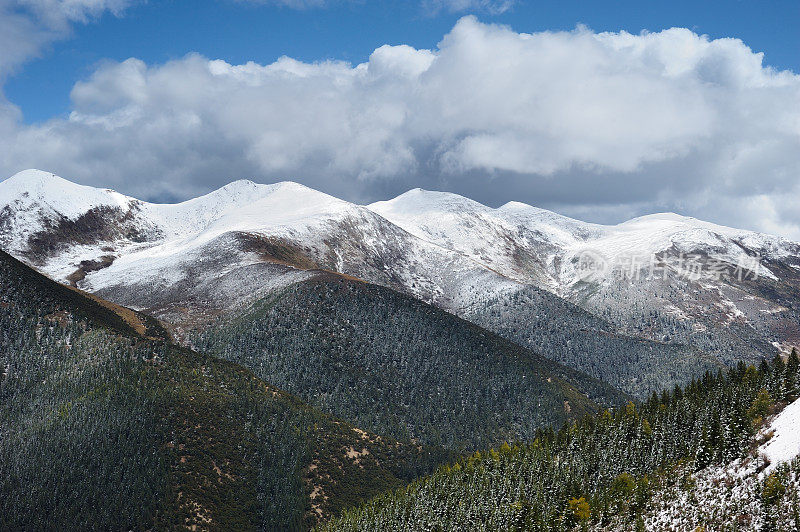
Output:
x=599 y=125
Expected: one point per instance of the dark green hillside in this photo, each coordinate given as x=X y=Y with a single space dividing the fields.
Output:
x=394 y=365
x=605 y=470
x=102 y=428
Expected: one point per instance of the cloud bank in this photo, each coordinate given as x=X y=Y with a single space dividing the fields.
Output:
x=598 y=125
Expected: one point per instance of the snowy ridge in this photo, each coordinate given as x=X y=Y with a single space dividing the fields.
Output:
x=242 y=205
x=32 y=197
x=439 y=247
x=32 y=194
x=37 y=189
x=518 y=241
x=496 y=236
x=231 y=236
x=521 y=242
x=642 y=275
x=281 y=209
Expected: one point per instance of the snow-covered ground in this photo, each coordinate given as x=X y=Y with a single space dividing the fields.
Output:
x=784 y=443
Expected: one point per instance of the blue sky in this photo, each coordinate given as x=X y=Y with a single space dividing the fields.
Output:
x=238 y=31
x=601 y=111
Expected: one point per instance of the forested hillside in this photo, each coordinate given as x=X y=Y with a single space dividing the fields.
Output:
x=103 y=428
x=394 y=365
x=576 y=338
x=610 y=470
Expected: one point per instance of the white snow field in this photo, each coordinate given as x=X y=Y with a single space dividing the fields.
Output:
x=784 y=445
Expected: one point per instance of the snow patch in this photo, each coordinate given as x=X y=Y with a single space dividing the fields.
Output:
x=785 y=442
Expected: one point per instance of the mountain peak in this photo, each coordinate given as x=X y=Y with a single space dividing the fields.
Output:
x=662 y=217
x=241 y=183
x=241 y=189
x=676 y=223
x=514 y=205
x=419 y=201
x=32 y=179
x=244 y=187
x=36 y=188
x=293 y=185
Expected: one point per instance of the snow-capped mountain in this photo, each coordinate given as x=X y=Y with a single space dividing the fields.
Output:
x=662 y=276
x=530 y=244
x=521 y=242
x=713 y=293
x=223 y=247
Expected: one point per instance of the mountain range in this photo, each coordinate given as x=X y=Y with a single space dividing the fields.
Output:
x=643 y=305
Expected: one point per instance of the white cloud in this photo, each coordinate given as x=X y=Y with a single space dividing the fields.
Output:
x=579 y=120
x=293 y=4
x=59 y=12
x=494 y=7
x=27 y=26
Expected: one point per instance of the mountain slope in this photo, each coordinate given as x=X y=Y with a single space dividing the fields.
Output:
x=102 y=427
x=521 y=247
x=529 y=244
x=672 y=279
x=623 y=470
x=757 y=492
x=567 y=334
x=397 y=366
